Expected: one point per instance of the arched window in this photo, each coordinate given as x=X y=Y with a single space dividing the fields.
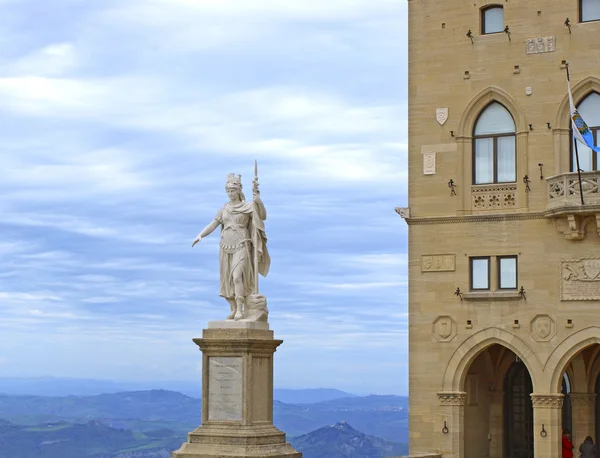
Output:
x=492 y=19
x=589 y=10
x=494 y=146
x=589 y=109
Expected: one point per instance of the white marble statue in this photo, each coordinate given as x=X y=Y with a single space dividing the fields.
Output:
x=243 y=250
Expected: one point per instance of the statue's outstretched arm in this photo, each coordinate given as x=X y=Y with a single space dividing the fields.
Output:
x=206 y=231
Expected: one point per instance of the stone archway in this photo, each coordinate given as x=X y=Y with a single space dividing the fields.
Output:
x=578 y=356
x=474 y=391
x=465 y=354
x=483 y=99
x=565 y=352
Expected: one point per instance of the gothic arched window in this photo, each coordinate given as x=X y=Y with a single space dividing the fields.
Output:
x=589 y=109
x=494 y=146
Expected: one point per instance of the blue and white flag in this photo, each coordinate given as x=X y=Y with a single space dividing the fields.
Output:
x=580 y=129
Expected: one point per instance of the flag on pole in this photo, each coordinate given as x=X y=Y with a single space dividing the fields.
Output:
x=580 y=129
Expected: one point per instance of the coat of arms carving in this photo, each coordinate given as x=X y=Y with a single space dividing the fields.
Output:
x=444 y=329
x=542 y=328
x=441 y=114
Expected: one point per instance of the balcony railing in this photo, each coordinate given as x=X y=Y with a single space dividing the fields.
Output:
x=564 y=193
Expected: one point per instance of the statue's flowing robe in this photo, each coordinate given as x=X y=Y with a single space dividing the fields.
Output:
x=241 y=226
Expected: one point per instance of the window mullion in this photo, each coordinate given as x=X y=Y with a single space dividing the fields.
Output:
x=495 y=160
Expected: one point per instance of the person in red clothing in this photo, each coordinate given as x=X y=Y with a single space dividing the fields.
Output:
x=567 y=445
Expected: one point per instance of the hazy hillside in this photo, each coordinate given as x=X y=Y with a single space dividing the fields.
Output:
x=383 y=416
x=90 y=440
x=309 y=396
x=147 y=405
x=62 y=386
x=343 y=441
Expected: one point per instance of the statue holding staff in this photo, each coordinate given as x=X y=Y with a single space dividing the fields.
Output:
x=243 y=250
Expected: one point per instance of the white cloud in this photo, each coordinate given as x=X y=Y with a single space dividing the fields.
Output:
x=121 y=122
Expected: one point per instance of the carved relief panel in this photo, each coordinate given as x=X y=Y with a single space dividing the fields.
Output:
x=540 y=45
x=438 y=263
x=580 y=280
x=429 y=164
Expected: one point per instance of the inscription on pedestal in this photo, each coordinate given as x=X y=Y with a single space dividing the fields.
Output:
x=580 y=280
x=225 y=388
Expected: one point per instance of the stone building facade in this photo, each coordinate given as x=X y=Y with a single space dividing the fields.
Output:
x=504 y=260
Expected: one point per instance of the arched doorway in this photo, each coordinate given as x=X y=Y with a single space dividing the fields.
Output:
x=518 y=412
x=579 y=385
x=498 y=415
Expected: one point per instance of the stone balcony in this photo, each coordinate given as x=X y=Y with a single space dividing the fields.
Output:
x=563 y=203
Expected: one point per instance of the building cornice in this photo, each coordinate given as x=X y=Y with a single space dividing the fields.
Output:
x=475 y=218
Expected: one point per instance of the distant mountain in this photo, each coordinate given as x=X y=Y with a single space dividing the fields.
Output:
x=96 y=440
x=154 y=405
x=382 y=416
x=90 y=440
x=343 y=441
x=63 y=386
x=308 y=396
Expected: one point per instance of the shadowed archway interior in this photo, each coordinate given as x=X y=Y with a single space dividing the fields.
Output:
x=518 y=412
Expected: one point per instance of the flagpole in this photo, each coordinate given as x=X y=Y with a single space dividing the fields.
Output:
x=576 y=150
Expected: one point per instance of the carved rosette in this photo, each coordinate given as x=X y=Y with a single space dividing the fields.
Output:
x=582 y=399
x=547 y=401
x=452 y=398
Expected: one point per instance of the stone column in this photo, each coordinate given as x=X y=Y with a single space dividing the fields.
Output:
x=237 y=396
x=497 y=424
x=582 y=414
x=451 y=423
x=547 y=425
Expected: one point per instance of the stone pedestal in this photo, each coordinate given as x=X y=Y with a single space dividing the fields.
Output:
x=237 y=395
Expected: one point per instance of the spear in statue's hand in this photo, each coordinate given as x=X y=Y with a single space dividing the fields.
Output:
x=255 y=235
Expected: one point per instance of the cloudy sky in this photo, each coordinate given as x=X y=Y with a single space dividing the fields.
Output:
x=119 y=121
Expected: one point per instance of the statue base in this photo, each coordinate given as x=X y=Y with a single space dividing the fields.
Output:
x=239 y=324
x=237 y=395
